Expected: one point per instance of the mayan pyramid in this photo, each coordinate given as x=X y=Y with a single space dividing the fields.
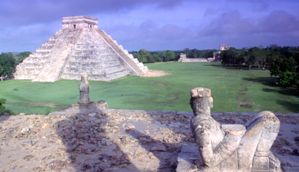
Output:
x=79 y=47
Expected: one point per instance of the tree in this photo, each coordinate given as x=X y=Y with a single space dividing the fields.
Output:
x=7 y=65
x=3 y=110
x=251 y=61
x=21 y=56
x=282 y=64
x=144 y=56
x=287 y=78
x=229 y=56
x=2 y=102
x=168 y=56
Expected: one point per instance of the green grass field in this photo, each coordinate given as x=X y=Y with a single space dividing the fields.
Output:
x=233 y=90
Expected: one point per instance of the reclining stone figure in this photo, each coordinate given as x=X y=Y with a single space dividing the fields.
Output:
x=233 y=147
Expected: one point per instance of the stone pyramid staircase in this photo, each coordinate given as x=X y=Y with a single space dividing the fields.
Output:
x=64 y=43
x=128 y=58
x=79 y=48
x=93 y=56
x=32 y=65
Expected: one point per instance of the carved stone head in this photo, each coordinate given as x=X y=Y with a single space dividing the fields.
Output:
x=84 y=78
x=201 y=101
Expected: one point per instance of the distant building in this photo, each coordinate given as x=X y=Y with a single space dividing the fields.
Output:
x=183 y=58
x=224 y=47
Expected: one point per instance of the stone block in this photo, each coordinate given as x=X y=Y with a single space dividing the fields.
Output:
x=188 y=157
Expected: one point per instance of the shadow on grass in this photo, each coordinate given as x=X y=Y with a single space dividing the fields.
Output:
x=285 y=91
x=293 y=107
x=269 y=81
x=233 y=67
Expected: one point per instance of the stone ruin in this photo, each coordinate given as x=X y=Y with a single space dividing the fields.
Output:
x=183 y=58
x=79 y=47
x=228 y=147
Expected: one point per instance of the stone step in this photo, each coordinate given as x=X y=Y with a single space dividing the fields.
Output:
x=78 y=74
x=91 y=66
x=96 y=76
x=114 y=69
x=43 y=50
x=47 y=45
x=118 y=74
x=88 y=48
x=59 y=54
x=119 y=49
x=94 y=63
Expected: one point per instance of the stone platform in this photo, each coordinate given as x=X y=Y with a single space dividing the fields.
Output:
x=118 y=140
x=188 y=158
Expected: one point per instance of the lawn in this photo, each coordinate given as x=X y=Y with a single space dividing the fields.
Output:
x=233 y=90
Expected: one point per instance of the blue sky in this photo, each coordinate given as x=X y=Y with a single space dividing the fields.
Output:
x=156 y=24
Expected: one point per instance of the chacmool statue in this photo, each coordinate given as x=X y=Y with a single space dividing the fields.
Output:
x=233 y=147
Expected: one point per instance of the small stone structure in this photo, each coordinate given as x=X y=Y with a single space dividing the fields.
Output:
x=184 y=58
x=84 y=90
x=84 y=105
x=228 y=147
x=224 y=47
x=79 y=47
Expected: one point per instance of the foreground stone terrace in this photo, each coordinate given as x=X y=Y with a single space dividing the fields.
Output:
x=115 y=140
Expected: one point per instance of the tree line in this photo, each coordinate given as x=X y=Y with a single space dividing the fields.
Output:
x=8 y=62
x=146 y=56
x=282 y=62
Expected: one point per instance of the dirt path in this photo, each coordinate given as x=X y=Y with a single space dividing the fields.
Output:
x=155 y=73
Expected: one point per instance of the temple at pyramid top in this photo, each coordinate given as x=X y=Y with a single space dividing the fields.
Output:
x=79 y=22
x=79 y=47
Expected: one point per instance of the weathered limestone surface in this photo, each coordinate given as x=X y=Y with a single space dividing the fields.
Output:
x=69 y=141
x=79 y=47
x=232 y=147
